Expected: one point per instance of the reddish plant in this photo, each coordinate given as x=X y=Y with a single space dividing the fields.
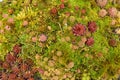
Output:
x=42 y=38
x=62 y=1
x=102 y=13
x=67 y=14
x=5 y=65
x=29 y=62
x=1 y=62
x=10 y=11
x=78 y=29
x=83 y=11
x=102 y=3
x=15 y=70
x=90 y=41
x=34 y=70
x=10 y=58
x=77 y=8
x=19 y=60
x=92 y=26
x=12 y=76
x=40 y=71
x=112 y=12
x=20 y=78
x=25 y=23
x=24 y=67
x=7 y=28
x=0 y=74
x=112 y=42
x=4 y=76
x=62 y=6
x=16 y=49
x=5 y=15
x=28 y=74
x=1 y=31
x=10 y=21
x=31 y=79
x=54 y=11
x=34 y=39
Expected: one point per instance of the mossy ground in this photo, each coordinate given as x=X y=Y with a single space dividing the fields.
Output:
x=99 y=61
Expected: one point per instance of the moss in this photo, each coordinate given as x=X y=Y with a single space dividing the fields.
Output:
x=99 y=61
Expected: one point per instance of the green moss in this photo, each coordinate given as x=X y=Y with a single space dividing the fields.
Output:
x=37 y=13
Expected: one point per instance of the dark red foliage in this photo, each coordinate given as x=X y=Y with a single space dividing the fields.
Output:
x=78 y=29
x=19 y=60
x=31 y=79
x=4 y=76
x=0 y=74
x=24 y=67
x=112 y=42
x=92 y=26
x=5 y=65
x=34 y=70
x=28 y=74
x=90 y=41
x=29 y=62
x=12 y=76
x=20 y=78
x=10 y=58
x=1 y=62
x=62 y=6
x=54 y=11
x=15 y=70
x=16 y=49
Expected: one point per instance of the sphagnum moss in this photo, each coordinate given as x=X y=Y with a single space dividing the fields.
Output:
x=66 y=39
